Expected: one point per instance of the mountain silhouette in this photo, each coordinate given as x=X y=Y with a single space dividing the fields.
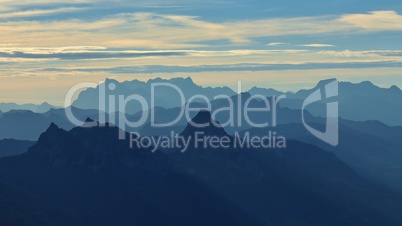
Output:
x=42 y=108
x=89 y=176
x=203 y=123
x=357 y=101
x=370 y=148
x=266 y=92
x=28 y=125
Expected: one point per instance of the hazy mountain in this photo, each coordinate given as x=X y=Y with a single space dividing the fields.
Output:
x=236 y=115
x=28 y=125
x=10 y=147
x=266 y=92
x=359 y=102
x=97 y=179
x=94 y=178
x=44 y=107
x=301 y=161
x=371 y=148
x=23 y=125
x=166 y=97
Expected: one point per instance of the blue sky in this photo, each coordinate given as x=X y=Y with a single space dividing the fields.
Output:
x=49 y=46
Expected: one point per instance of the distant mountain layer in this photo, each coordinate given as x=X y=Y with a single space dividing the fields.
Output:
x=42 y=108
x=28 y=125
x=87 y=176
x=371 y=148
x=166 y=94
x=358 y=102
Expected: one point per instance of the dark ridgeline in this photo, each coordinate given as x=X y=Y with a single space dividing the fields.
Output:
x=11 y=147
x=87 y=176
x=42 y=108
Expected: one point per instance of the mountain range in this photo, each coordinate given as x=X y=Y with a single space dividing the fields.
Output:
x=357 y=101
x=164 y=96
x=87 y=176
x=42 y=108
x=67 y=175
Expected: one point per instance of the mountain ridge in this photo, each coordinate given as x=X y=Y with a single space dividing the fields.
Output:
x=85 y=169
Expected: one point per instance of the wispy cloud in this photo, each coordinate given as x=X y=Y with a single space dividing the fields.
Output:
x=367 y=53
x=33 y=13
x=151 y=69
x=317 y=45
x=97 y=52
x=68 y=42
x=84 y=55
x=161 y=31
x=276 y=43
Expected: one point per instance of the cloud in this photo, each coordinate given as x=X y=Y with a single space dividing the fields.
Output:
x=318 y=45
x=87 y=55
x=152 y=69
x=84 y=57
x=165 y=31
x=6 y=44
x=374 y=21
x=33 y=13
x=98 y=52
x=276 y=43
x=367 y=53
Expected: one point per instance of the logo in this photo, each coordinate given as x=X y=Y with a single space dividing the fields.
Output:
x=327 y=95
x=240 y=113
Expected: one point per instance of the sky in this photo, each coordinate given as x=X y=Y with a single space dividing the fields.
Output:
x=48 y=46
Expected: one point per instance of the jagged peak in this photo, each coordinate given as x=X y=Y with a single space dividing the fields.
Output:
x=203 y=122
x=189 y=79
x=325 y=81
x=181 y=80
x=157 y=79
x=203 y=116
x=90 y=123
x=242 y=94
x=107 y=80
x=52 y=127
x=176 y=79
x=260 y=88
